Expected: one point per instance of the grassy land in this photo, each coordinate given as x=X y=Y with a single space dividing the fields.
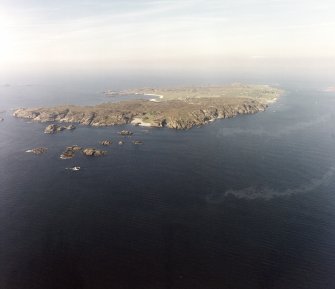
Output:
x=257 y=92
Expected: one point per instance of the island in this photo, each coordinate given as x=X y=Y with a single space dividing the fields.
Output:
x=178 y=108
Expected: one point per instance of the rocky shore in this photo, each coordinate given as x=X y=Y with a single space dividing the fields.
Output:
x=54 y=128
x=172 y=113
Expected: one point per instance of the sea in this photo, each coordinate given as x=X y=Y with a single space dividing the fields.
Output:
x=241 y=203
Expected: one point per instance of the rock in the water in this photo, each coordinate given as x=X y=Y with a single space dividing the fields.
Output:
x=75 y=148
x=53 y=128
x=106 y=142
x=69 y=153
x=137 y=142
x=125 y=132
x=121 y=142
x=1 y=119
x=37 y=151
x=71 y=127
x=93 y=152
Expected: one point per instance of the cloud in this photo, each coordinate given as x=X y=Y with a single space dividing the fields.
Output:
x=162 y=32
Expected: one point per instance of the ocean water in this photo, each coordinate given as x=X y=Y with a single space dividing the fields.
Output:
x=240 y=203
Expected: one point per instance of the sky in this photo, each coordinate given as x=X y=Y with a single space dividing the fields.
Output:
x=164 y=33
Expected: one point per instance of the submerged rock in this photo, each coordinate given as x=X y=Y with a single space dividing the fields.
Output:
x=137 y=142
x=93 y=152
x=121 y=142
x=37 y=151
x=106 y=142
x=125 y=132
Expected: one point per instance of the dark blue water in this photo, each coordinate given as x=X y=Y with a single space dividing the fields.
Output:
x=240 y=203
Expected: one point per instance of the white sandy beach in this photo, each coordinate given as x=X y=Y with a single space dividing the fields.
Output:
x=154 y=99
x=139 y=121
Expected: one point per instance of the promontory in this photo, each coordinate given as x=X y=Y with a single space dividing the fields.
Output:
x=179 y=108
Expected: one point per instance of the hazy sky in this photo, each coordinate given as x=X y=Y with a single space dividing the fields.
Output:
x=166 y=32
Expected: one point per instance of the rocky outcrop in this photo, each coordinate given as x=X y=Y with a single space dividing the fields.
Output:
x=53 y=128
x=75 y=148
x=37 y=151
x=69 y=152
x=125 y=133
x=27 y=113
x=92 y=152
